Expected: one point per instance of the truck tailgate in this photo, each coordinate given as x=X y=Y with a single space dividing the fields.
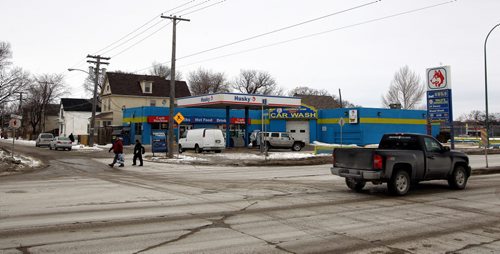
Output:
x=354 y=158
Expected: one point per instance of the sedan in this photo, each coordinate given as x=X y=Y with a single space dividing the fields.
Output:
x=60 y=142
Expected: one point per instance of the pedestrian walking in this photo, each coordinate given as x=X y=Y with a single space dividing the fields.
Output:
x=138 y=152
x=117 y=148
x=72 y=138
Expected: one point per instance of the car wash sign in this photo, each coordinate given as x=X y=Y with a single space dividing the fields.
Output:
x=302 y=112
x=439 y=103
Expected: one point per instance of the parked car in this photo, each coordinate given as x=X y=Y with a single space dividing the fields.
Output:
x=43 y=139
x=60 y=143
x=400 y=160
x=201 y=140
x=281 y=140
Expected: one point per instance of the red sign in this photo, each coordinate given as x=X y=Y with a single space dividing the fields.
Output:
x=157 y=119
x=236 y=120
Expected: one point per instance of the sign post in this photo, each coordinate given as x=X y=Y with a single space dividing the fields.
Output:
x=178 y=119
x=14 y=123
x=484 y=140
x=341 y=123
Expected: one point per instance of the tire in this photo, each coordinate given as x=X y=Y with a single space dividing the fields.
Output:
x=197 y=149
x=297 y=146
x=180 y=149
x=218 y=151
x=399 y=184
x=458 y=179
x=69 y=149
x=354 y=184
x=267 y=146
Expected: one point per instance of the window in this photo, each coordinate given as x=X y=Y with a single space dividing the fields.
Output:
x=147 y=86
x=152 y=103
x=302 y=131
x=138 y=128
x=292 y=131
x=284 y=135
x=432 y=146
x=275 y=135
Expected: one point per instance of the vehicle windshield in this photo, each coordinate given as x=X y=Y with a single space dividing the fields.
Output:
x=399 y=142
x=46 y=136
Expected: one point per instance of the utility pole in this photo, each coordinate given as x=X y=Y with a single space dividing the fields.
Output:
x=97 y=63
x=172 y=87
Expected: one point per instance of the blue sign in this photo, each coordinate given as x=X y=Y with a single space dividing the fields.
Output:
x=439 y=106
x=158 y=142
x=303 y=112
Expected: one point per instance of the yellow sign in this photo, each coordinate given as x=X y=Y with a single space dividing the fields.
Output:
x=179 y=118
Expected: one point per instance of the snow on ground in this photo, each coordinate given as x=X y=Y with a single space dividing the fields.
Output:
x=78 y=147
x=317 y=143
x=9 y=165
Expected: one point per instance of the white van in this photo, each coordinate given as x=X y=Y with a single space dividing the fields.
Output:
x=201 y=140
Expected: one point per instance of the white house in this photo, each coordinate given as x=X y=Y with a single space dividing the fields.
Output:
x=74 y=116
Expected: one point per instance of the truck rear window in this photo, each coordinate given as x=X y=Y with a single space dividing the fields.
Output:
x=399 y=142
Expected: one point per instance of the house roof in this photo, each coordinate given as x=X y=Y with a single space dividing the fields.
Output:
x=82 y=105
x=319 y=101
x=52 y=109
x=130 y=84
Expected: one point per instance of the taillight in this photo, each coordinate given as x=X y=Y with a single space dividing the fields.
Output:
x=377 y=161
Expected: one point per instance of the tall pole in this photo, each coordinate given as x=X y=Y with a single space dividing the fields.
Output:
x=340 y=98
x=97 y=63
x=487 y=123
x=172 y=87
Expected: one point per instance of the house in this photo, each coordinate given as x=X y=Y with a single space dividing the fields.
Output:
x=125 y=90
x=74 y=116
x=50 y=122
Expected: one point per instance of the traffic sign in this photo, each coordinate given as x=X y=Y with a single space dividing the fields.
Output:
x=179 y=118
x=341 y=121
x=14 y=123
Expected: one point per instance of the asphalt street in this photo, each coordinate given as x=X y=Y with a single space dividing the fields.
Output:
x=77 y=204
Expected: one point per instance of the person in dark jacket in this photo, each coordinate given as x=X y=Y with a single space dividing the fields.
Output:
x=72 y=138
x=117 y=148
x=138 y=152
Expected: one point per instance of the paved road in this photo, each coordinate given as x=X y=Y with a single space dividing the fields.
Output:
x=80 y=205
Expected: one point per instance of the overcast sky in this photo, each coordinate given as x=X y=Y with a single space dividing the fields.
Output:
x=360 y=59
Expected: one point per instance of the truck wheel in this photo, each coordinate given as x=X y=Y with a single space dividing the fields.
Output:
x=180 y=149
x=458 y=178
x=197 y=149
x=354 y=184
x=267 y=147
x=399 y=184
x=218 y=151
x=296 y=146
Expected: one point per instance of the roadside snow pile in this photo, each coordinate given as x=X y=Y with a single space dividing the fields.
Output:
x=178 y=159
x=84 y=148
x=317 y=143
x=19 y=142
x=271 y=155
x=9 y=165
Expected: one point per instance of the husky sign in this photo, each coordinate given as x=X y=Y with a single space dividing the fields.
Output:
x=439 y=103
x=438 y=78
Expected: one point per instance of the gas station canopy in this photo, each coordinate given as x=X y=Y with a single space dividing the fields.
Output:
x=238 y=101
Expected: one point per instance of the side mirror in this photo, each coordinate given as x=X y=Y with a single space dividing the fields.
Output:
x=446 y=149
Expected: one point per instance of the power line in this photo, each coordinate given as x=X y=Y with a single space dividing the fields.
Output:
x=196 y=5
x=270 y=32
x=135 y=30
x=323 y=32
x=145 y=24
x=282 y=29
x=202 y=8
x=151 y=34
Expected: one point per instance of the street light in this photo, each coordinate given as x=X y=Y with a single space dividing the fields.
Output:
x=486 y=92
x=94 y=102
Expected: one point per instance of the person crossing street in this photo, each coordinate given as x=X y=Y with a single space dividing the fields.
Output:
x=138 y=152
x=117 y=148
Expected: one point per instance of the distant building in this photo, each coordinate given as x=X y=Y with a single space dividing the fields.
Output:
x=125 y=90
x=74 y=116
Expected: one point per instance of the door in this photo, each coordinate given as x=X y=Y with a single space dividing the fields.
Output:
x=299 y=130
x=438 y=160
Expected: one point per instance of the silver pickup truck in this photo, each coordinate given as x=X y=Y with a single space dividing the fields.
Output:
x=401 y=159
x=276 y=140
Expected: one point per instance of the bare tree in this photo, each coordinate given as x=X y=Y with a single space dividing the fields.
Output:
x=304 y=90
x=163 y=71
x=205 y=82
x=406 y=89
x=12 y=80
x=44 y=89
x=88 y=84
x=257 y=82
